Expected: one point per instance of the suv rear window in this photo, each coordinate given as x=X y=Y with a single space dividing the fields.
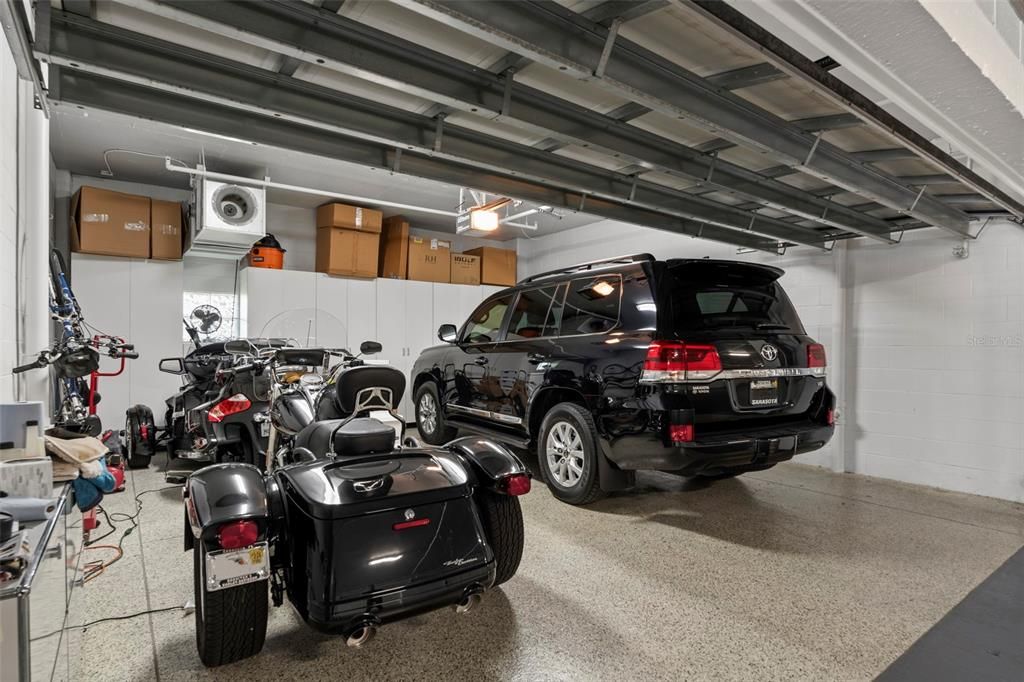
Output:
x=591 y=305
x=694 y=298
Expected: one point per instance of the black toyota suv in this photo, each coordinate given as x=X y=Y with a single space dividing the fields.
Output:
x=699 y=367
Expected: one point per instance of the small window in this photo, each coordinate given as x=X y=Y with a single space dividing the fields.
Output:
x=530 y=314
x=717 y=302
x=484 y=324
x=591 y=305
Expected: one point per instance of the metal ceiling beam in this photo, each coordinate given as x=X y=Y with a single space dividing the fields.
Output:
x=564 y=40
x=90 y=90
x=623 y=10
x=114 y=53
x=363 y=51
x=800 y=67
x=745 y=77
x=876 y=155
x=628 y=112
x=815 y=124
x=16 y=29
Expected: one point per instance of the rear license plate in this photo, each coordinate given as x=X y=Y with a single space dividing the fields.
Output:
x=234 y=567
x=264 y=429
x=764 y=392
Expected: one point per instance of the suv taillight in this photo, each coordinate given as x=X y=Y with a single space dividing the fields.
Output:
x=816 y=357
x=673 y=361
x=229 y=406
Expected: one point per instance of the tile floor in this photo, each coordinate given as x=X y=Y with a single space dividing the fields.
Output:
x=792 y=573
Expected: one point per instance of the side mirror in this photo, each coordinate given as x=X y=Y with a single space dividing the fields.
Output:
x=370 y=347
x=448 y=333
x=172 y=365
x=238 y=347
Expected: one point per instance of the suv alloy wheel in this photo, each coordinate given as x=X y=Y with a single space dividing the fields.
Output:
x=429 y=417
x=567 y=451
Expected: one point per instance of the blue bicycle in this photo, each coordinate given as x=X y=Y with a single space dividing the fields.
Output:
x=76 y=355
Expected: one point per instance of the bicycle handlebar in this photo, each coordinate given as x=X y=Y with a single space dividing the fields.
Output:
x=35 y=364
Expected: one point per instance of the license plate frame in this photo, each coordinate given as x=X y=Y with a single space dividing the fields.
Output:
x=764 y=392
x=233 y=567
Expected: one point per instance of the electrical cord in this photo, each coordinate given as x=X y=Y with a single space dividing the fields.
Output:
x=110 y=618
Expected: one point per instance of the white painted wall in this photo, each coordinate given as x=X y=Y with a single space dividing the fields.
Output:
x=8 y=218
x=933 y=354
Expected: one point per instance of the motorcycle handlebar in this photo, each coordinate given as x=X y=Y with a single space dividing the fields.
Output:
x=130 y=354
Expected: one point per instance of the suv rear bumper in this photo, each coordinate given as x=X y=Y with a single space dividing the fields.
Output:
x=718 y=452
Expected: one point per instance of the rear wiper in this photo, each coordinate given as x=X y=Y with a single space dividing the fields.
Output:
x=772 y=325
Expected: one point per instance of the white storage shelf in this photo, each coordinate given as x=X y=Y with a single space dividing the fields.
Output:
x=403 y=315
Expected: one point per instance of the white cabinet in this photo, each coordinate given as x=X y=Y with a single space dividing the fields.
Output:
x=331 y=320
x=139 y=300
x=266 y=294
x=362 y=311
x=404 y=325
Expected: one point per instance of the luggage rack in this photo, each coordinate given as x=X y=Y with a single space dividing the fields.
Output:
x=582 y=267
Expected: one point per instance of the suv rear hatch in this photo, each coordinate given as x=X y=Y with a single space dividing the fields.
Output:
x=731 y=340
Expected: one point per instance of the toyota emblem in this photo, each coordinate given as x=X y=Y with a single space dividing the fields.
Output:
x=769 y=352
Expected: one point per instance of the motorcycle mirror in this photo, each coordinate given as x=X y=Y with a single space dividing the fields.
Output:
x=172 y=365
x=447 y=333
x=238 y=347
x=370 y=347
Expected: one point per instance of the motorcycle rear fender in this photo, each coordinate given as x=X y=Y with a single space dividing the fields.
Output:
x=490 y=461
x=221 y=493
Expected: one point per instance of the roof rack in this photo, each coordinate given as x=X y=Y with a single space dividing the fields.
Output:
x=624 y=260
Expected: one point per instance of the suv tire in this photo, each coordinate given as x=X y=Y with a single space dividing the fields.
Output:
x=568 y=451
x=430 y=420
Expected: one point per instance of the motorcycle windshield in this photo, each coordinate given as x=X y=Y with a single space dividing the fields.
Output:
x=307 y=328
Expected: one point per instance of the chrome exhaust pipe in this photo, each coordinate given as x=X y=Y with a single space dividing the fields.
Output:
x=469 y=602
x=361 y=635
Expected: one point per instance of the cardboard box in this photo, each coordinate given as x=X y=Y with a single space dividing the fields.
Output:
x=109 y=223
x=165 y=230
x=349 y=217
x=465 y=269
x=430 y=260
x=394 y=248
x=497 y=266
x=346 y=252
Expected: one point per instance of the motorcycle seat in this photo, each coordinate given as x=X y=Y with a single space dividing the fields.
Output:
x=362 y=436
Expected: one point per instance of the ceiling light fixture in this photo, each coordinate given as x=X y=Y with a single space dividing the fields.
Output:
x=603 y=288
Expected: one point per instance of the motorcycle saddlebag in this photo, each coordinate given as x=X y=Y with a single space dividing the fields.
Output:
x=381 y=537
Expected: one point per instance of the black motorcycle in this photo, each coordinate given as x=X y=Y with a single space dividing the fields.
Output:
x=356 y=524
x=220 y=414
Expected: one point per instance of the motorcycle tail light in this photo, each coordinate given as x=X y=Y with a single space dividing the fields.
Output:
x=415 y=523
x=830 y=417
x=516 y=484
x=237 y=534
x=673 y=361
x=229 y=406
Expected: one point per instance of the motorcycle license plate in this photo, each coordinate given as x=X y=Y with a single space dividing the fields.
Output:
x=234 y=567
x=264 y=429
x=764 y=392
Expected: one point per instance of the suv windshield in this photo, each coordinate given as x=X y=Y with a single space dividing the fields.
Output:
x=695 y=298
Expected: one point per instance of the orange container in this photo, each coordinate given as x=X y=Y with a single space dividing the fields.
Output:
x=267 y=253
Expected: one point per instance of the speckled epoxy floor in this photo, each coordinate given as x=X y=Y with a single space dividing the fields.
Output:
x=792 y=573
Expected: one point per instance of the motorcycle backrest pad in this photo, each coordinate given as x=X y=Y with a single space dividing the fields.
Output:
x=78 y=363
x=366 y=387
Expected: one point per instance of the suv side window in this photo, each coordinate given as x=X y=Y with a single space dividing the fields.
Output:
x=530 y=313
x=484 y=325
x=591 y=305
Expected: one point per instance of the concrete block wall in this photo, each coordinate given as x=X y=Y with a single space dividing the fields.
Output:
x=937 y=362
x=926 y=350
x=8 y=218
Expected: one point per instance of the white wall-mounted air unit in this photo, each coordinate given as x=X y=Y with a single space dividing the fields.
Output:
x=229 y=218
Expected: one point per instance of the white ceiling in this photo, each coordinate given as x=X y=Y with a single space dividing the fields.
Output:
x=79 y=138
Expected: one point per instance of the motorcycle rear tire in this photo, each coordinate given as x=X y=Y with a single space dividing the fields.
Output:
x=231 y=624
x=139 y=448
